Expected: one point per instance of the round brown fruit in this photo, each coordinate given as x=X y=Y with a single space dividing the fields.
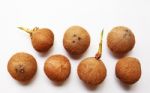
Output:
x=57 y=68
x=22 y=66
x=128 y=70
x=92 y=71
x=120 y=40
x=42 y=39
x=76 y=40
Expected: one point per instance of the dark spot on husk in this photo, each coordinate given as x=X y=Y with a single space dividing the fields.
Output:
x=127 y=30
x=74 y=35
x=126 y=34
x=20 y=69
x=73 y=41
x=79 y=38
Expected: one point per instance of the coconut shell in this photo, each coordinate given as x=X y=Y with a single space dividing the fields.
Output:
x=57 y=68
x=128 y=70
x=42 y=39
x=22 y=66
x=91 y=71
x=120 y=40
x=76 y=40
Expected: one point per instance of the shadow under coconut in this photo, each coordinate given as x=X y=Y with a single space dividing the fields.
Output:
x=116 y=55
x=124 y=86
x=25 y=83
x=57 y=83
x=75 y=56
x=78 y=56
x=44 y=54
x=92 y=87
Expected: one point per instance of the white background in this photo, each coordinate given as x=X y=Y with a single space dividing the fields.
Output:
x=58 y=15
